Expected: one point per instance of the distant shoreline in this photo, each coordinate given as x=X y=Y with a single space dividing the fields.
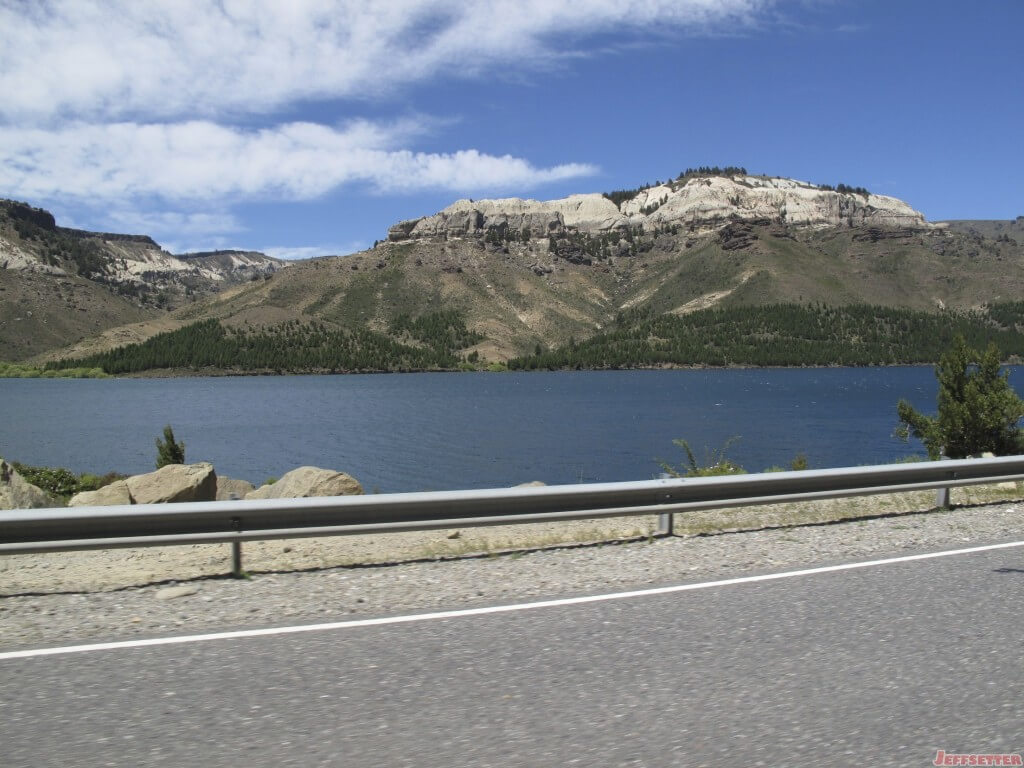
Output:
x=185 y=373
x=173 y=373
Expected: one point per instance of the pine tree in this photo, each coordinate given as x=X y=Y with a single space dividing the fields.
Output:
x=168 y=451
x=978 y=410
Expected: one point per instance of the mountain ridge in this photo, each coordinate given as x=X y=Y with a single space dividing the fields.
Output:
x=49 y=274
x=526 y=274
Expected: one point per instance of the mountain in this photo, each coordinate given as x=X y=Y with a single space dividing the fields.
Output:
x=518 y=275
x=58 y=285
x=992 y=229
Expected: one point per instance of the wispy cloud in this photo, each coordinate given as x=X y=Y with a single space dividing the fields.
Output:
x=175 y=223
x=161 y=110
x=204 y=161
x=168 y=59
x=312 y=251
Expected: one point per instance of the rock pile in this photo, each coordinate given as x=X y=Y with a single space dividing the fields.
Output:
x=199 y=482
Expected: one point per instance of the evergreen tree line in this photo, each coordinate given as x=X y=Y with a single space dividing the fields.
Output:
x=845 y=189
x=779 y=335
x=619 y=196
x=1008 y=314
x=714 y=170
x=292 y=347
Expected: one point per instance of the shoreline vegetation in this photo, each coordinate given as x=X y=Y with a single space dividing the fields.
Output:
x=777 y=335
x=20 y=371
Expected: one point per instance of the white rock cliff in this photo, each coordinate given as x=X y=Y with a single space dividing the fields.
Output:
x=701 y=202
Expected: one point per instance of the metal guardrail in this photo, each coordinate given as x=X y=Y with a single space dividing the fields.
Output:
x=77 y=528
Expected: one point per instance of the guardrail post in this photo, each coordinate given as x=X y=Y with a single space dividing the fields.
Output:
x=664 y=524
x=942 y=494
x=236 y=551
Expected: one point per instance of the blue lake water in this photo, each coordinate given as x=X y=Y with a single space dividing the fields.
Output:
x=462 y=430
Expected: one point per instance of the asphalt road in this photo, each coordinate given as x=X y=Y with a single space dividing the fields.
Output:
x=876 y=666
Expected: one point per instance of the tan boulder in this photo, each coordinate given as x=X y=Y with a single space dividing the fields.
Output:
x=232 y=488
x=309 y=481
x=108 y=495
x=17 y=493
x=174 y=483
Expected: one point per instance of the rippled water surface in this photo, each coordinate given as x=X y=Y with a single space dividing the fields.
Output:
x=439 y=431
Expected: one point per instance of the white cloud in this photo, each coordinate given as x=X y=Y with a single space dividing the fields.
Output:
x=173 y=223
x=312 y=251
x=180 y=59
x=201 y=160
x=144 y=108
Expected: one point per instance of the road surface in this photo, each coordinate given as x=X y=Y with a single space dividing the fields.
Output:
x=881 y=665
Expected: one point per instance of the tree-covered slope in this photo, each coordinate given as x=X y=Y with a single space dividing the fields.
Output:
x=786 y=335
x=429 y=342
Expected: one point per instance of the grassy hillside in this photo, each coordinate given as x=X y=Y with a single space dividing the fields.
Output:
x=516 y=295
x=993 y=229
x=39 y=312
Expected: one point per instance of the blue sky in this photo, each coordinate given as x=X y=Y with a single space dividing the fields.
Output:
x=309 y=127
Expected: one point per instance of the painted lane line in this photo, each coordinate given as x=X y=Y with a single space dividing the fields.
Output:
x=463 y=612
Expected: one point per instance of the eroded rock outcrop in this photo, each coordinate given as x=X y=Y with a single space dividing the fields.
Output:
x=309 y=481
x=700 y=202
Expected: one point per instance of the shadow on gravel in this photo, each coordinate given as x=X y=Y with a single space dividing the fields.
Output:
x=125 y=588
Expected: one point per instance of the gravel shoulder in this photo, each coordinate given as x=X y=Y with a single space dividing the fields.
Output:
x=119 y=594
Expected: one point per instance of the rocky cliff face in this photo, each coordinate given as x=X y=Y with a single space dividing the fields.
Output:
x=698 y=203
x=59 y=285
x=134 y=266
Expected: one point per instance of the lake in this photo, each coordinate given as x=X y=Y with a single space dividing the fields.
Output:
x=434 y=431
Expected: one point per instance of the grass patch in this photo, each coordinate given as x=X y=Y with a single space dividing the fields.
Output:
x=17 y=371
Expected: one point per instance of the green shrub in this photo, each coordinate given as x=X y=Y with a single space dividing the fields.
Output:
x=56 y=481
x=90 y=482
x=168 y=450
x=715 y=463
x=63 y=483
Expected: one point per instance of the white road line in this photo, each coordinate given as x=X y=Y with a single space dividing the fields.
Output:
x=489 y=609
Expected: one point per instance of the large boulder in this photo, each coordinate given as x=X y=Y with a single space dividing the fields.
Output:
x=17 y=493
x=109 y=495
x=232 y=488
x=309 y=481
x=174 y=482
